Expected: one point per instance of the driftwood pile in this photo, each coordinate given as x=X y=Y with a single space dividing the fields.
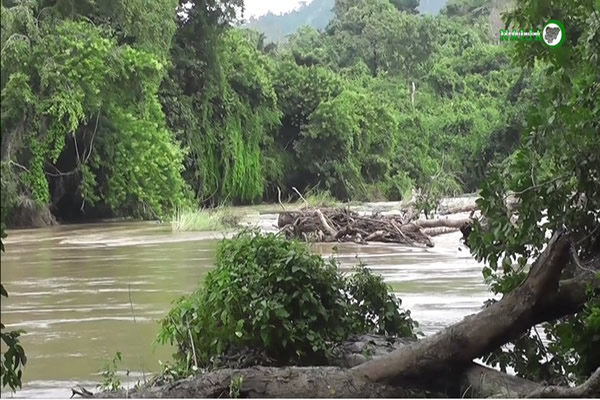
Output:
x=344 y=225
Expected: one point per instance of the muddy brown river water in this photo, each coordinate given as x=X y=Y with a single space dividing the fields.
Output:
x=84 y=292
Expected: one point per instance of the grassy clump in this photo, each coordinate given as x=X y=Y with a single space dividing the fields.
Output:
x=200 y=220
x=271 y=295
x=321 y=198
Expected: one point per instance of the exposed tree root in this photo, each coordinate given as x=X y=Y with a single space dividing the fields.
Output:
x=29 y=214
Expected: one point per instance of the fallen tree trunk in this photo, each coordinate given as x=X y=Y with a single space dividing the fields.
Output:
x=439 y=231
x=443 y=223
x=441 y=364
x=474 y=381
x=475 y=335
x=469 y=204
x=271 y=382
x=322 y=382
x=337 y=381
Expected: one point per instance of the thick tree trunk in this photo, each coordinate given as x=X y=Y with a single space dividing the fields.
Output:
x=439 y=231
x=338 y=382
x=475 y=335
x=469 y=204
x=270 y=382
x=443 y=223
x=327 y=382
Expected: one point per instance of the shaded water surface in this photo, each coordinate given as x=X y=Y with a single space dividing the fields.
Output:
x=84 y=292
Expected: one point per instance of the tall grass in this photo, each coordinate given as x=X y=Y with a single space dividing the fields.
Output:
x=321 y=198
x=203 y=219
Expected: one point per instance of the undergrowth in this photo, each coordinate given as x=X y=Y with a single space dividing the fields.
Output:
x=273 y=296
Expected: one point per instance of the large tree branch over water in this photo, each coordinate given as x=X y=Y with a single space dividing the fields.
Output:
x=478 y=334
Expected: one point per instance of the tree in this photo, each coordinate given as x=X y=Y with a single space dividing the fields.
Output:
x=555 y=174
x=347 y=142
x=385 y=39
x=219 y=99
x=300 y=90
x=71 y=91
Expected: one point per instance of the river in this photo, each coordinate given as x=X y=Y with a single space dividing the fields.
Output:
x=84 y=292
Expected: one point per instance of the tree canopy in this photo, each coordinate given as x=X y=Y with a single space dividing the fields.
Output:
x=105 y=114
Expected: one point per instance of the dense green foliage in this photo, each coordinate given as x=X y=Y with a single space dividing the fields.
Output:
x=271 y=295
x=81 y=121
x=220 y=101
x=107 y=115
x=555 y=172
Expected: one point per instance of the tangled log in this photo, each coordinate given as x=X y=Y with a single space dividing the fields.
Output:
x=469 y=204
x=343 y=225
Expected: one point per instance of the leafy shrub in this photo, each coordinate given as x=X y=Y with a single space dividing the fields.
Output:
x=110 y=378
x=13 y=359
x=271 y=295
x=374 y=309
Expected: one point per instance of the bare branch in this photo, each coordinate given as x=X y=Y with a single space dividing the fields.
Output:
x=11 y=162
x=300 y=194
x=577 y=261
x=535 y=187
x=59 y=172
x=93 y=136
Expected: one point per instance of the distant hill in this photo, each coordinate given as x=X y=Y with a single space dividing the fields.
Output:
x=432 y=7
x=317 y=14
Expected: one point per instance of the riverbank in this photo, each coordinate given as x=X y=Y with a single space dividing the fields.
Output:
x=446 y=205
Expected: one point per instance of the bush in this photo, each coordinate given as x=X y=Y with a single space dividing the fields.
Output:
x=271 y=295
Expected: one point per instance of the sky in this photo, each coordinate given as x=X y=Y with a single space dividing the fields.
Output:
x=256 y=8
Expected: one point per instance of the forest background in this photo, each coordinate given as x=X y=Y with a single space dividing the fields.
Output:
x=118 y=109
